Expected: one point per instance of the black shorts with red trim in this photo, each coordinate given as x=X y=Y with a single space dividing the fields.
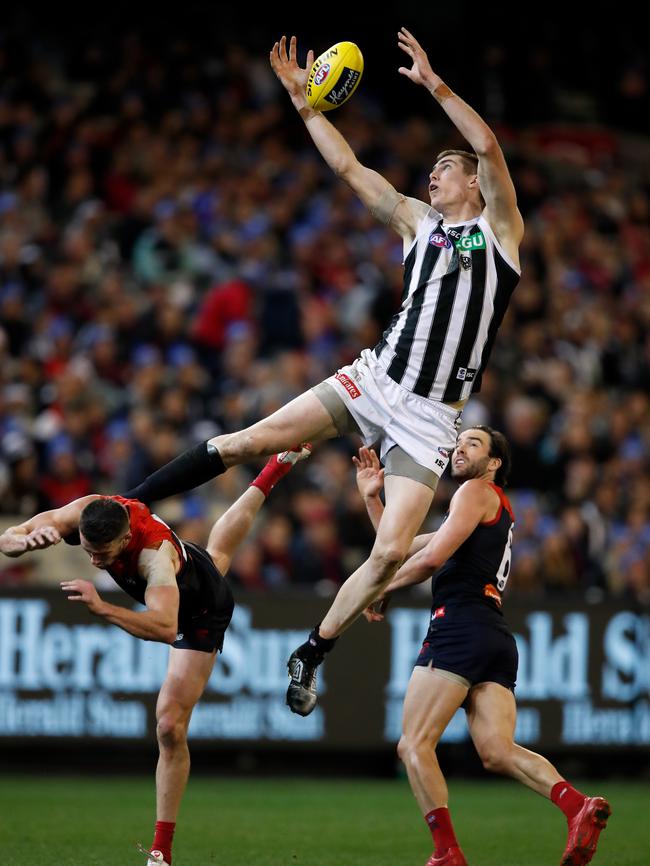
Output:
x=479 y=651
x=203 y=626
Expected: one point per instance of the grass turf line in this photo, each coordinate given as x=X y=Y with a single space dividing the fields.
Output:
x=235 y=822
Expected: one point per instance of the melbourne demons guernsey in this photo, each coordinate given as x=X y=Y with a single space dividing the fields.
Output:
x=470 y=583
x=457 y=284
x=149 y=531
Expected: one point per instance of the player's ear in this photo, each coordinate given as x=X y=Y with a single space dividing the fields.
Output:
x=495 y=464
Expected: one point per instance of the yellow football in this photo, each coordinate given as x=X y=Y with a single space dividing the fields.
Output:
x=334 y=76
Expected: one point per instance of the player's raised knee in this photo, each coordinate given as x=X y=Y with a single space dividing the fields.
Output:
x=495 y=757
x=387 y=558
x=411 y=746
x=171 y=730
x=403 y=749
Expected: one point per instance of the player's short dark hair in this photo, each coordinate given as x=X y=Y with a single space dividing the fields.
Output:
x=469 y=162
x=499 y=447
x=468 y=159
x=103 y=520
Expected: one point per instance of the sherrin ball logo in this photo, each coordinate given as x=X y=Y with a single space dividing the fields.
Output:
x=334 y=76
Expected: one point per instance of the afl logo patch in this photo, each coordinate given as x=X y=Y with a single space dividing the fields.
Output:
x=437 y=239
x=322 y=74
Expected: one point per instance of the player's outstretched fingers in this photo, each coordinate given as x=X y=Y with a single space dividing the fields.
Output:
x=406 y=34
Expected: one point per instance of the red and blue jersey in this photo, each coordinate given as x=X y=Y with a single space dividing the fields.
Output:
x=472 y=580
x=202 y=589
x=147 y=532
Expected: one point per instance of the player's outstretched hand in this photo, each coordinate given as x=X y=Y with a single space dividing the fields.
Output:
x=285 y=65
x=45 y=536
x=13 y=544
x=370 y=475
x=420 y=72
x=83 y=590
x=376 y=612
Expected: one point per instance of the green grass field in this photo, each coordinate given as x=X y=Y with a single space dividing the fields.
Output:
x=267 y=822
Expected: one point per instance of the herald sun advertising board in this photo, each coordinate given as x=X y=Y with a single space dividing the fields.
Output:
x=584 y=676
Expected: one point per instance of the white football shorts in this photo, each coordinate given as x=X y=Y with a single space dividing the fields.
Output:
x=388 y=414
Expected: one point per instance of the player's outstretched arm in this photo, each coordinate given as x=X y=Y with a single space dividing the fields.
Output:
x=377 y=194
x=494 y=178
x=370 y=483
x=44 y=529
x=159 y=621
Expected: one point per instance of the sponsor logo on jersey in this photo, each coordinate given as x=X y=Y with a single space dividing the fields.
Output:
x=471 y=242
x=437 y=239
x=466 y=374
x=491 y=591
x=322 y=74
x=444 y=453
x=438 y=613
x=348 y=384
x=180 y=636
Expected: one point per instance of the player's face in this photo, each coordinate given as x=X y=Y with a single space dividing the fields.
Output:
x=104 y=555
x=471 y=455
x=448 y=183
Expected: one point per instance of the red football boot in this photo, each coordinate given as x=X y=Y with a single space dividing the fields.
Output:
x=452 y=857
x=584 y=830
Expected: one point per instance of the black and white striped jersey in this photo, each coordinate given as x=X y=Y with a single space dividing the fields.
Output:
x=457 y=284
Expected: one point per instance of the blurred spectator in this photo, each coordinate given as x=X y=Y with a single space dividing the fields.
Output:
x=176 y=261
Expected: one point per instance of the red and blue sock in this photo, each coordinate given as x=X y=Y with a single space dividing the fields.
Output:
x=162 y=839
x=439 y=822
x=567 y=798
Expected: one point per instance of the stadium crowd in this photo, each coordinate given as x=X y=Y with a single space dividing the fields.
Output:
x=176 y=260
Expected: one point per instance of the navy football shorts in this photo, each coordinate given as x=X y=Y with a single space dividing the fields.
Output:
x=203 y=629
x=481 y=652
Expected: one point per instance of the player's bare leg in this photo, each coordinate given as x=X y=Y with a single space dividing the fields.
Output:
x=407 y=504
x=491 y=718
x=429 y=705
x=234 y=525
x=304 y=419
x=187 y=675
